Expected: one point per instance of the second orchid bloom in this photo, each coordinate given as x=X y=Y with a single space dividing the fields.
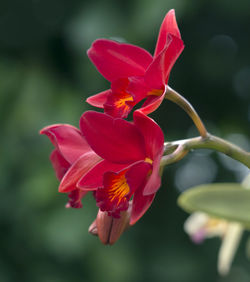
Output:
x=133 y=72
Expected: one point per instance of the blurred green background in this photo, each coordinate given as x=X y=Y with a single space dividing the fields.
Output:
x=45 y=77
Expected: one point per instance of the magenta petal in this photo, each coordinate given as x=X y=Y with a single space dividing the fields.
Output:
x=140 y=205
x=116 y=60
x=68 y=140
x=60 y=165
x=137 y=88
x=158 y=72
x=152 y=133
x=169 y=25
x=199 y=236
x=77 y=170
x=151 y=104
x=94 y=178
x=154 y=180
x=99 y=99
x=136 y=175
x=115 y=140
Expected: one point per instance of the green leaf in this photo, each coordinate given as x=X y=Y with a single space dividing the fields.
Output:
x=229 y=201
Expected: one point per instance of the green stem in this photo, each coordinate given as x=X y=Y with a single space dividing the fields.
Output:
x=174 y=157
x=175 y=97
x=180 y=148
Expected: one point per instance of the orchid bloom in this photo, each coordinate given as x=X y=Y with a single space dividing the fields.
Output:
x=114 y=158
x=200 y=226
x=71 y=159
x=133 y=72
x=131 y=153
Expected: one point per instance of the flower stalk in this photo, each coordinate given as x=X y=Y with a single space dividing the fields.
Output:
x=175 y=97
x=181 y=147
x=178 y=154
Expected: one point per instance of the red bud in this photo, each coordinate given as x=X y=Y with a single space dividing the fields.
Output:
x=108 y=228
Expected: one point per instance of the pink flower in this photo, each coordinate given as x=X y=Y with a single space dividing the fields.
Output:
x=133 y=72
x=71 y=159
x=131 y=153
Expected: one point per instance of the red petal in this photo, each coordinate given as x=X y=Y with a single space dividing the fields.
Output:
x=158 y=72
x=154 y=181
x=136 y=175
x=116 y=60
x=169 y=25
x=99 y=100
x=115 y=140
x=77 y=170
x=94 y=178
x=140 y=205
x=152 y=133
x=68 y=140
x=151 y=104
x=60 y=165
x=137 y=88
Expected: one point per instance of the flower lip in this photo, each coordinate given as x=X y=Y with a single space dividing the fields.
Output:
x=119 y=104
x=119 y=187
x=123 y=100
x=114 y=196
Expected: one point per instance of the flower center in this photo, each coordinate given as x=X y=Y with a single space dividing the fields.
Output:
x=118 y=187
x=114 y=196
x=121 y=101
x=117 y=104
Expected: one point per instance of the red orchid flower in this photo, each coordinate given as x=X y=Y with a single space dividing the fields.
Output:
x=133 y=72
x=131 y=153
x=71 y=159
x=114 y=158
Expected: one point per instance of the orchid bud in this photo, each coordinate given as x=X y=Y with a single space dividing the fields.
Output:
x=108 y=228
